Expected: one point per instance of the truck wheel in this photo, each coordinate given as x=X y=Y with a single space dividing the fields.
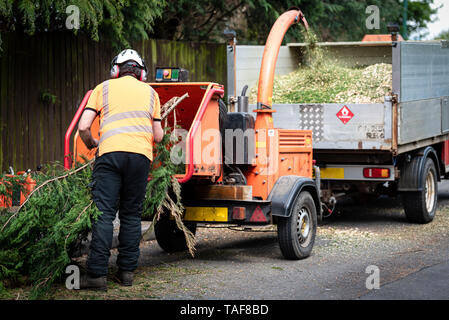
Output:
x=420 y=207
x=169 y=237
x=297 y=232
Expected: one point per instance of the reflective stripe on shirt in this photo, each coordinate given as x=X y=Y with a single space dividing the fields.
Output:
x=126 y=129
x=125 y=115
x=151 y=103
x=105 y=99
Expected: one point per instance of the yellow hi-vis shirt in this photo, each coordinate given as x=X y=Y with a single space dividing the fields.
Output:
x=127 y=108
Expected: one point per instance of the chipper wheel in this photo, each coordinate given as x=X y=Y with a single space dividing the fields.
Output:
x=297 y=232
x=169 y=237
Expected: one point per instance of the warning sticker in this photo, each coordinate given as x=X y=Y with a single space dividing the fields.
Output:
x=345 y=115
x=258 y=216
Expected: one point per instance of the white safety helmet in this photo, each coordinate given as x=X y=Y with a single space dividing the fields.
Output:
x=125 y=56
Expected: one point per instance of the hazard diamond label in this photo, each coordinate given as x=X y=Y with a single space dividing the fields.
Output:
x=345 y=115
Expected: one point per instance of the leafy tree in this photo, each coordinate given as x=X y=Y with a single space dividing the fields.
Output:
x=204 y=20
x=201 y=19
x=346 y=20
x=444 y=35
x=332 y=20
x=119 y=20
x=419 y=15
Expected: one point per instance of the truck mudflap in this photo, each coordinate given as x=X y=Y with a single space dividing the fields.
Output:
x=285 y=191
x=412 y=170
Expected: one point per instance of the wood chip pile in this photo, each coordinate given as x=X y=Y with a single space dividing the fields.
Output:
x=330 y=82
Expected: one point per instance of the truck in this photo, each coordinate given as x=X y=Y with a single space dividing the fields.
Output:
x=398 y=148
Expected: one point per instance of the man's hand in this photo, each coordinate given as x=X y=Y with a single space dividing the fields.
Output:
x=158 y=132
x=95 y=145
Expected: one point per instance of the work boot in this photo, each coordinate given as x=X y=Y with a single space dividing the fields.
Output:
x=93 y=283
x=125 y=278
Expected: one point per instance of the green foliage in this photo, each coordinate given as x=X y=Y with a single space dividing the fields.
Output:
x=163 y=193
x=118 y=20
x=340 y=20
x=10 y=184
x=252 y=19
x=123 y=21
x=161 y=180
x=36 y=242
x=419 y=14
x=443 y=35
x=48 y=98
x=198 y=20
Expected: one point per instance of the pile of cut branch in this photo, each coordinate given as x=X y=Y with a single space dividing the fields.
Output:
x=38 y=239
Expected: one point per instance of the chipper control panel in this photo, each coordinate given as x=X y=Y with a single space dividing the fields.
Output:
x=169 y=74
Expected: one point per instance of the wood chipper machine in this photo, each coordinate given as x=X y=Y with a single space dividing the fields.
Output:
x=239 y=169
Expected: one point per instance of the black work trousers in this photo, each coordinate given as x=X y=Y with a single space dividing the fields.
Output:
x=119 y=183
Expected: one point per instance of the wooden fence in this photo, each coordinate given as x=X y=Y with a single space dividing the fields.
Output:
x=43 y=79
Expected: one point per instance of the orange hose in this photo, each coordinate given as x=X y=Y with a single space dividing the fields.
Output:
x=271 y=52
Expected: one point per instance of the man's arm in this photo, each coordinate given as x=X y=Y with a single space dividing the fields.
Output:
x=84 y=125
x=158 y=132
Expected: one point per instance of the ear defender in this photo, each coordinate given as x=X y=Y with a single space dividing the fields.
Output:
x=143 y=75
x=115 y=70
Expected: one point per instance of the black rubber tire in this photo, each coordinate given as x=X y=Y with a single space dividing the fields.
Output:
x=415 y=203
x=222 y=117
x=291 y=246
x=169 y=237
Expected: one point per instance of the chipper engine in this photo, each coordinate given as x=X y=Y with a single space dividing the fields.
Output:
x=236 y=169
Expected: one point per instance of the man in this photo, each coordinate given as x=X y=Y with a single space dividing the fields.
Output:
x=129 y=112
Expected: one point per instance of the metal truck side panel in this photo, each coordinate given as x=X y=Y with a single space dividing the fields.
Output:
x=424 y=71
x=369 y=129
x=445 y=115
x=419 y=120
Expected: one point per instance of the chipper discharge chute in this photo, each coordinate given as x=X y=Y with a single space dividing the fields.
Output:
x=236 y=169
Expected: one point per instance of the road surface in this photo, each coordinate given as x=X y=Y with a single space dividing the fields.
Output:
x=411 y=261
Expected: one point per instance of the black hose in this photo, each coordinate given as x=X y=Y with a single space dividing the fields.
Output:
x=245 y=88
